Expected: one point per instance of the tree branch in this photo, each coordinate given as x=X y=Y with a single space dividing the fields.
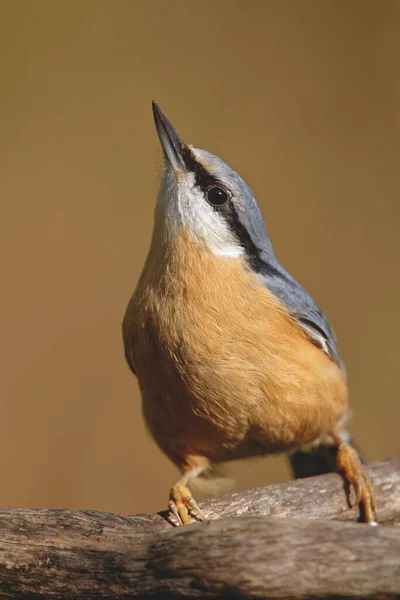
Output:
x=287 y=543
x=323 y=497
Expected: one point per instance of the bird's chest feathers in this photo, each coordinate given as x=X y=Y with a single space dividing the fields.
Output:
x=193 y=305
x=206 y=317
x=210 y=342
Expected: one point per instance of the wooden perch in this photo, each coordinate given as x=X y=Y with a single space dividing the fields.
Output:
x=281 y=541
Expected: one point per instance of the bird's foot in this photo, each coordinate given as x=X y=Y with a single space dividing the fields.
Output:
x=180 y=500
x=349 y=464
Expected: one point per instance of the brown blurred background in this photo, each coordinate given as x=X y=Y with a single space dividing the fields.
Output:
x=302 y=98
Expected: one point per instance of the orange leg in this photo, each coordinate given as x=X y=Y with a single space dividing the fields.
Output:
x=180 y=497
x=349 y=464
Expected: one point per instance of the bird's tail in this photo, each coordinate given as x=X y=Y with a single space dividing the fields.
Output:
x=319 y=460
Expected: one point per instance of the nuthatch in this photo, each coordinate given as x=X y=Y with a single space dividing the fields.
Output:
x=233 y=357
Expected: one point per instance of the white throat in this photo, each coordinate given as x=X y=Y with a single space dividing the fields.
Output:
x=183 y=205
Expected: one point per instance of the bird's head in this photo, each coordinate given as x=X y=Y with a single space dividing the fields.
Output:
x=202 y=194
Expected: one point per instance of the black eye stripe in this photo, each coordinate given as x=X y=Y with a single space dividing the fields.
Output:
x=205 y=180
x=202 y=177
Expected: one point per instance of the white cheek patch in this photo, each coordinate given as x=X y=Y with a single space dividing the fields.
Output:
x=232 y=251
x=184 y=204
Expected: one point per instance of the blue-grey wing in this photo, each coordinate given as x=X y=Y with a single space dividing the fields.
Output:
x=303 y=308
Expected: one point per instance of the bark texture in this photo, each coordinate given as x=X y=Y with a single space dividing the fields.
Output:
x=294 y=540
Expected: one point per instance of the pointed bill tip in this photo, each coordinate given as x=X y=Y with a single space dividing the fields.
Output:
x=156 y=109
x=171 y=143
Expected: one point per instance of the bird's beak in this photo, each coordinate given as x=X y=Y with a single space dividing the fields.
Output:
x=174 y=148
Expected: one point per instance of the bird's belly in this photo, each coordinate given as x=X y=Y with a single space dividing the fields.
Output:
x=223 y=369
x=232 y=398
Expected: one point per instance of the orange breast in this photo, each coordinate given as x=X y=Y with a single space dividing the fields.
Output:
x=224 y=371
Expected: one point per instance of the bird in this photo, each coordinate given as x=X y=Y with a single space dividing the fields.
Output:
x=234 y=359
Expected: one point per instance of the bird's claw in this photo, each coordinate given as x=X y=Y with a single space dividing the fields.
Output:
x=194 y=506
x=349 y=463
x=180 y=499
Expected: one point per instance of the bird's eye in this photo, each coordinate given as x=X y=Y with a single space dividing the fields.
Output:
x=217 y=196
